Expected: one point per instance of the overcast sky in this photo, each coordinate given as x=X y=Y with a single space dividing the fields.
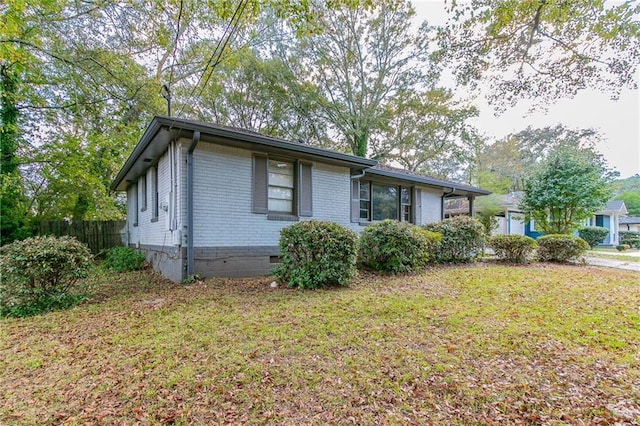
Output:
x=618 y=121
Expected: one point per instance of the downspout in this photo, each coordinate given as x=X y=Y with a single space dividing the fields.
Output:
x=194 y=143
x=444 y=195
x=358 y=176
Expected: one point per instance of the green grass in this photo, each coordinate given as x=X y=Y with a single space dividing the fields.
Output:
x=607 y=253
x=541 y=344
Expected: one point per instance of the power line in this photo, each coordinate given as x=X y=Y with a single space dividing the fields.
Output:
x=222 y=44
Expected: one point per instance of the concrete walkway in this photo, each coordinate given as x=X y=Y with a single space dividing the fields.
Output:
x=613 y=263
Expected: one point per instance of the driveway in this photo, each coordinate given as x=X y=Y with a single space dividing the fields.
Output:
x=614 y=263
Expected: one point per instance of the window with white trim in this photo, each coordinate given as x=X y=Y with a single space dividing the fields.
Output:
x=281 y=184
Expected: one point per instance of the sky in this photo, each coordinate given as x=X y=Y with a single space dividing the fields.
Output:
x=617 y=120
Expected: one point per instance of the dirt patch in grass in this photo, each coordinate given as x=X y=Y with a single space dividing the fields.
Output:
x=480 y=344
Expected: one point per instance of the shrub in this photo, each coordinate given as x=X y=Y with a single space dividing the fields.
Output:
x=593 y=235
x=623 y=247
x=512 y=248
x=396 y=247
x=630 y=237
x=41 y=274
x=123 y=259
x=316 y=254
x=463 y=238
x=560 y=247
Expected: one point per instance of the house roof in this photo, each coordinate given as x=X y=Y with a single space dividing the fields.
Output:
x=630 y=220
x=163 y=130
x=407 y=175
x=614 y=206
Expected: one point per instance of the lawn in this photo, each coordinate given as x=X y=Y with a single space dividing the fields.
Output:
x=480 y=344
x=630 y=255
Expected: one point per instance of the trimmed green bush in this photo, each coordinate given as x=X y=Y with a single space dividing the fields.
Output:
x=123 y=259
x=623 y=247
x=560 y=248
x=41 y=274
x=463 y=239
x=396 y=247
x=593 y=235
x=316 y=254
x=512 y=248
x=630 y=237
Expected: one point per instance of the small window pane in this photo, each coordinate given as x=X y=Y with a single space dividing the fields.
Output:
x=364 y=191
x=385 y=202
x=280 y=193
x=285 y=206
x=281 y=179
x=406 y=199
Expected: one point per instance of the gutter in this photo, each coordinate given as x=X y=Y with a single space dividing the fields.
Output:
x=194 y=143
x=444 y=195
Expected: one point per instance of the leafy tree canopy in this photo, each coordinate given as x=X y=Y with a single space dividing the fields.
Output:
x=540 y=49
x=570 y=186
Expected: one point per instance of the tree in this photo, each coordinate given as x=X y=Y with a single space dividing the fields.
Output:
x=262 y=95
x=425 y=132
x=362 y=58
x=12 y=205
x=541 y=49
x=568 y=188
x=501 y=166
x=632 y=201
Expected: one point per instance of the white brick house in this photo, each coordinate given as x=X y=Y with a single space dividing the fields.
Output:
x=211 y=200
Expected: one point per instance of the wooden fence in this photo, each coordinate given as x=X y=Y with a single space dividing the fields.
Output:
x=98 y=235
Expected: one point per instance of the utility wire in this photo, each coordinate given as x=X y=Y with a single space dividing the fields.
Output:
x=222 y=43
x=175 y=43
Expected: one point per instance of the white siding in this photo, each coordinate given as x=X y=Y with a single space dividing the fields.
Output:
x=149 y=231
x=431 y=205
x=132 y=231
x=222 y=199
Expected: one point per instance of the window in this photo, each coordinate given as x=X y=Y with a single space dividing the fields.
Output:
x=365 y=201
x=379 y=202
x=405 y=204
x=280 y=187
x=143 y=192
x=136 y=202
x=154 y=194
x=385 y=202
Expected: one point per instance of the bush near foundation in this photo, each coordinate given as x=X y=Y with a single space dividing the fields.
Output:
x=316 y=254
x=560 y=248
x=396 y=247
x=512 y=248
x=463 y=239
x=41 y=274
x=123 y=259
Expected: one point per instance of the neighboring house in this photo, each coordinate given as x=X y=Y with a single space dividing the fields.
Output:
x=211 y=200
x=510 y=219
x=609 y=217
x=630 y=224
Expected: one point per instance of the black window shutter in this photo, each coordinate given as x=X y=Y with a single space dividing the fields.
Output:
x=260 y=183
x=417 y=207
x=355 y=200
x=305 y=191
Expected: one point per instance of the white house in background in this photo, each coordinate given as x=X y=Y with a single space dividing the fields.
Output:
x=609 y=217
x=510 y=219
x=629 y=224
x=211 y=200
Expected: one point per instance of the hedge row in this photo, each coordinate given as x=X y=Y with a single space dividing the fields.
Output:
x=317 y=254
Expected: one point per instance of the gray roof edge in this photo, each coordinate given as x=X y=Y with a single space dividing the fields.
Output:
x=142 y=144
x=428 y=181
x=257 y=138
x=160 y=121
